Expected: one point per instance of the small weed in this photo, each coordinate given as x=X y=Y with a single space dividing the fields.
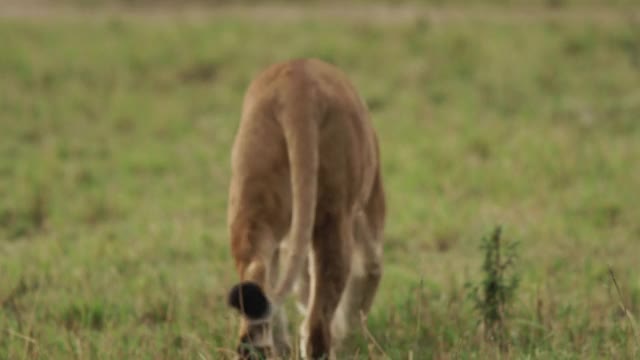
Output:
x=25 y=220
x=84 y=315
x=492 y=296
x=626 y=312
x=199 y=73
x=158 y=314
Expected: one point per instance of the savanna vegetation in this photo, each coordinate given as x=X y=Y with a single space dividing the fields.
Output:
x=115 y=133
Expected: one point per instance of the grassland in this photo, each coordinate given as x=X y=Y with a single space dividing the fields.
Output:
x=114 y=146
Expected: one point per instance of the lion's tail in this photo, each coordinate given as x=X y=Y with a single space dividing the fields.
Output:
x=299 y=120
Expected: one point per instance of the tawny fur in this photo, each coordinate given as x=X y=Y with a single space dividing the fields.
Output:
x=306 y=191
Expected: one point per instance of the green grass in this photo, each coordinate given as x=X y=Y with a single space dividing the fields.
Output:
x=114 y=167
x=556 y=4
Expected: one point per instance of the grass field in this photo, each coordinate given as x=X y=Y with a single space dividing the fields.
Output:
x=114 y=164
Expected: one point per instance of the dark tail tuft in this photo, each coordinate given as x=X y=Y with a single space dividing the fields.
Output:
x=250 y=300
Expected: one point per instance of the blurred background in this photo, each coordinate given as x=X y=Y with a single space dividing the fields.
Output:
x=116 y=121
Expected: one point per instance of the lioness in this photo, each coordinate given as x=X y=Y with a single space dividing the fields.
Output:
x=305 y=167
